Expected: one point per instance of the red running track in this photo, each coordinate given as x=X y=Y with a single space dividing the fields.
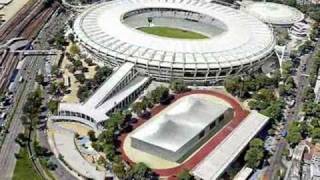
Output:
x=240 y=114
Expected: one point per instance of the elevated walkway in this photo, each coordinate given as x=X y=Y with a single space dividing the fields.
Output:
x=117 y=92
x=120 y=99
x=110 y=85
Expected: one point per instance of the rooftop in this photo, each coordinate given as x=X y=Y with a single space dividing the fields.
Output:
x=180 y=122
x=244 y=40
x=225 y=153
x=274 y=13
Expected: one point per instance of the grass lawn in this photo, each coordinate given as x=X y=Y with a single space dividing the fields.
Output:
x=24 y=169
x=172 y=33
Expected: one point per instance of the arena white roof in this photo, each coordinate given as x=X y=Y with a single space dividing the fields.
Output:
x=180 y=122
x=225 y=153
x=245 y=40
x=274 y=13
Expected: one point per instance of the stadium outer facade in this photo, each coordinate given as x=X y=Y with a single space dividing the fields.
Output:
x=243 y=46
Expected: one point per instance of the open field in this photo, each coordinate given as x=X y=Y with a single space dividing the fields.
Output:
x=24 y=169
x=172 y=33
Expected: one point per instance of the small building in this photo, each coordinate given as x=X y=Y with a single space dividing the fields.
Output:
x=175 y=132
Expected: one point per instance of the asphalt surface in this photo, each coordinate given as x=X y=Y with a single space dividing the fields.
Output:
x=292 y=114
x=10 y=147
x=29 y=71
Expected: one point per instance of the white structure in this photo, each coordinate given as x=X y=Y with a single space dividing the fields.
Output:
x=300 y=30
x=5 y=2
x=237 y=41
x=116 y=92
x=63 y=144
x=316 y=89
x=213 y=166
x=274 y=13
x=180 y=127
x=243 y=174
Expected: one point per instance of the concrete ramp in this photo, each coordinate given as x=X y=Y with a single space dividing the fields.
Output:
x=109 y=85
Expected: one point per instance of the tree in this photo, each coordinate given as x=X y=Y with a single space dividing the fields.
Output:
x=178 y=86
x=147 y=102
x=24 y=120
x=255 y=153
x=294 y=133
x=256 y=143
x=265 y=95
x=22 y=137
x=138 y=108
x=109 y=152
x=88 y=61
x=32 y=106
x=253 y=157
x=74 y=49
x=274 y=111
x=53 y=106
x=81 y=78
x=160 y=94
x=185 y=175
x=139 y=171
x=71 y=37
x=294 y=138
x=83 y=93
x=92 y=135
x=315 y=122
x=232 y=84
x=102 y=74
x=77 y=63
x=119 y=169
x=315 y=134
x=40 y=78
x=292 y=3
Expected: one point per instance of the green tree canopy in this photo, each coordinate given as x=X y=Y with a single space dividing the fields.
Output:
x=178 y=86
x=185 y=175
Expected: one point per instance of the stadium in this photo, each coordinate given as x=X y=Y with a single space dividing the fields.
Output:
x=196 y=41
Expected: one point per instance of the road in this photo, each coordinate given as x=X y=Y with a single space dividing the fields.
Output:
x=293 y=113
x=30 y=69
x=9 y=147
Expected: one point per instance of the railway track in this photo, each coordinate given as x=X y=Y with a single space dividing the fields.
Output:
x=27 y=24
x=10 y=29
x=27 y=21
x=5 y=28
x=38 y=21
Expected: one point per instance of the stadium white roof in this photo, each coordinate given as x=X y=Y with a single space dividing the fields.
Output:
x=5 y=2
x=180 y=122
x=274 y=13
x=245 y=40
x=225 y=153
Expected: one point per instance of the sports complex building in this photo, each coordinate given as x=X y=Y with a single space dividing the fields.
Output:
x=181 y=127
x=203 y=131
x=231 y=42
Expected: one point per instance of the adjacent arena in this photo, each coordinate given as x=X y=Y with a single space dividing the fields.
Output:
x=179 y=129
x=236 y=42
x=274 y=13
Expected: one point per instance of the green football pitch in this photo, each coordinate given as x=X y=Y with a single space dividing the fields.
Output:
x=172 y=33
